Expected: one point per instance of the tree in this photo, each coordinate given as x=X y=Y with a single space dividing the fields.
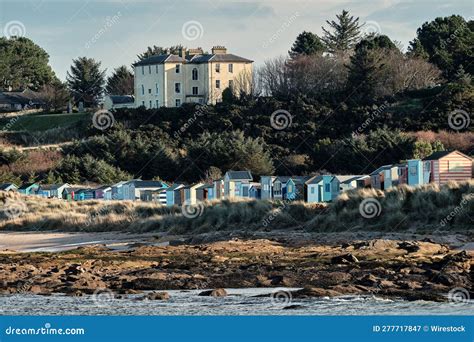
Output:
x=159 y=50
x=342 y=34
x=447 y=43
x=23 y=64
x=308 y=44
x=55 y=96
x=86 y=81
x=120 y=82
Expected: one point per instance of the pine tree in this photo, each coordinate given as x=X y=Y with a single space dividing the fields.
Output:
x=120 y=83
x=86 y=81
x=345 y=33
x=306 y=43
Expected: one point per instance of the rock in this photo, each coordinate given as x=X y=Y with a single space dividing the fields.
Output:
x=158 y=296
x=410 y=247
x=293 y=307
x=74 y=269
x=344 y=259
x=311 y=292
x=368 y=280
x=214 y=293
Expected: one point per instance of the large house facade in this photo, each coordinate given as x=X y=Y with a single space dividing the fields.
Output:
x=170 y=80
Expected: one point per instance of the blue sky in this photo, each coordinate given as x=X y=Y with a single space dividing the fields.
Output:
x=115 y=31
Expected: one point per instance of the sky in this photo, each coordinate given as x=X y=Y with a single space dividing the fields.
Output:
x=115 y=31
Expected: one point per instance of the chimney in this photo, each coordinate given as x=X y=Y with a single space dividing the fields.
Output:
x=182 y=52
x=219 y=50
x=194 y=52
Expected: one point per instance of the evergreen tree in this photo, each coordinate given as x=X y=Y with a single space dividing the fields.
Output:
x=342 y=34
x=86 y=81
x=308 y=44
x=159 y=50
x=120 y=83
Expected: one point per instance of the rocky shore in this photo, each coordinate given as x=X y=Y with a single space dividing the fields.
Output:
x=411 y=270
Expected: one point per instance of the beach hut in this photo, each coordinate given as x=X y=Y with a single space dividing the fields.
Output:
x=100 y=192
x=52 y=190
x=266 y=183
x=218 y=188
x=295 y=188
x=133 y=189
x=205 y=192
x=117 y=191
x=341 y=183
x=445 y=166
x=233 y=181
x=8 y=187
x=318 y=189
x=29 y=189
x=190 y=196
x=255 y=190
x=279 y=187
x=173 y=194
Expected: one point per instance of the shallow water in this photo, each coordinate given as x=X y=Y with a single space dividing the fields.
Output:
x=238 y=302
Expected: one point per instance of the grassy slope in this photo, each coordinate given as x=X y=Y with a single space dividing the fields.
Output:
x=402 y=209
x=42 y=122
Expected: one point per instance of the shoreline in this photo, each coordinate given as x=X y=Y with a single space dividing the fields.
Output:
x=338 y=265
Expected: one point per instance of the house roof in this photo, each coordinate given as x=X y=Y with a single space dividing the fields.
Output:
x=382 y=168
x=160 y=59
x=315 y=179
x=26 y=186
x=51 y=186
x=348 y=178
x=282 y=179
x=26 y=96
x=148 y=184
x=441 y=154
x=239 y=175
x=300 y=179
x=5 y=186
x=103 y=187
x=175 y=186
x=218 y=58
x=121 y=99
x=205 y=186
x=196 y=185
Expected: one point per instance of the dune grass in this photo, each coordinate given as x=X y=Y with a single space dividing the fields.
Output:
x=422 y=209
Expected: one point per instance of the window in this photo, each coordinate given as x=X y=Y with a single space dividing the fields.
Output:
x=143 y=103
x=177 y=68
x=427 y=166
x=149 y=91
x=178 y=102
x=151 y=105
x=143 y=89
x=231 y=84
x=327 y=188
x=195 y=74
x=413 y=170
x=177 y=88
x=156 y=68
x=201 y=101
x=289 y=188
x=218 y=84
x=455 y=166
x=157 y=104
x=218 y=67
x=149 y=69
x=143 y=70
x=156 y=88
x=195 y=90
x=312 y=190
x=231 y=67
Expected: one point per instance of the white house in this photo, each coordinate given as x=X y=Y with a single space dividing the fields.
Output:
x=119 y=101
x=170 y=80
x=134 y=189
